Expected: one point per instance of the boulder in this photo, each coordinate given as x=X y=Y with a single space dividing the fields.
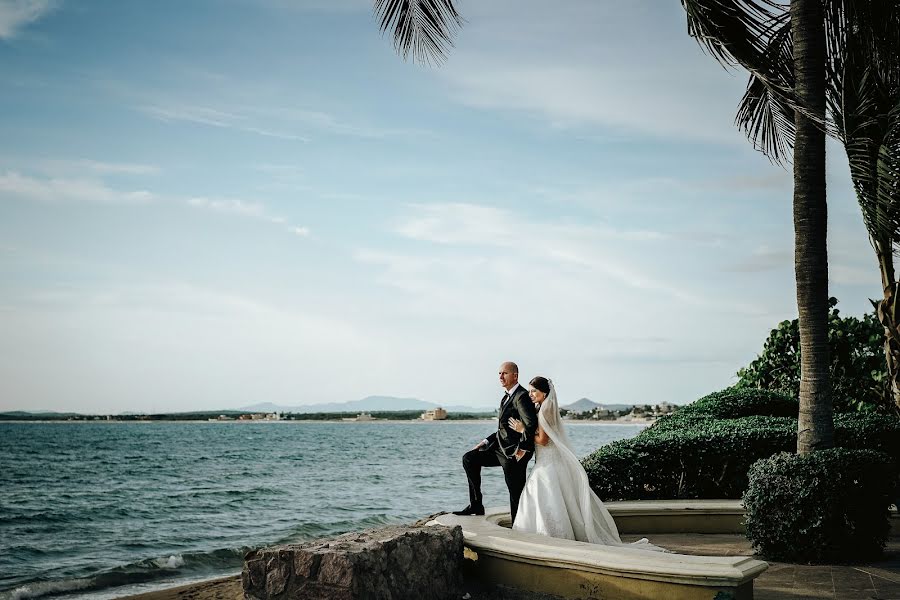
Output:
x=389 y=563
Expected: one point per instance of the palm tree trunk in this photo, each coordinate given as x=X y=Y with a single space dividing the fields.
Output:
x=816 y=424
x=888 y=312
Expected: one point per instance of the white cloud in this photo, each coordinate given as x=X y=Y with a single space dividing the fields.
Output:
x=231 y=206
x=50 y=190
x=15 y=15
x=764 y=258
x=599 y=73
x=97 y=167
x=212 y=117
x=200 y=347
x=243 y=208
x=68 y=190
x=570 y=245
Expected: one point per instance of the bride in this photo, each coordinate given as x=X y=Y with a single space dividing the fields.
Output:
x=557 y=500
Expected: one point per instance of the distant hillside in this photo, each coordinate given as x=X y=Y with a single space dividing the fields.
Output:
x=367 y=404
x=38 y=413
x=586 y=405
x=582 y=405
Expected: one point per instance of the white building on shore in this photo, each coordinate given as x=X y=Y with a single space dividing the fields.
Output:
x=437 y=414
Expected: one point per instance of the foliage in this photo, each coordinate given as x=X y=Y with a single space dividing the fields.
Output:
x=698 y=458
x=858 y=372
x=705 y=450
x=830 y=505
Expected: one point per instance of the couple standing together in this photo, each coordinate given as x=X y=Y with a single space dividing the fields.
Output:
x=556 y=499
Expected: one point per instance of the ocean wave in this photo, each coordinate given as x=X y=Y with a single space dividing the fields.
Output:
x=141 y=571
x=39 y=589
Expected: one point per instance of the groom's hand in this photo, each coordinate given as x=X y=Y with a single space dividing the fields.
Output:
x=480 y=445
x=520 y=454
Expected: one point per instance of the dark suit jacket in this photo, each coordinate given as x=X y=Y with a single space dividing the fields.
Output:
x=510 y=441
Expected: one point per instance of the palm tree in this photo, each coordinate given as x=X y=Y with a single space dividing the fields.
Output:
x=863 y=102
x=784 y=49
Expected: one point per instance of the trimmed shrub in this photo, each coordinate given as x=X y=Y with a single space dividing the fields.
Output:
x=868 y=431
x=734 y=402
x=825 y=506
x=730 y=403
x=708 y=458
x=706 y=448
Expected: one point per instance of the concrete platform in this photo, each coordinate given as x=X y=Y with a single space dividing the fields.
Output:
x=876 y=580
x=566 y=568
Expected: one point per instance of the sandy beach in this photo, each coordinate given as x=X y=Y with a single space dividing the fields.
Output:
x=226 y=588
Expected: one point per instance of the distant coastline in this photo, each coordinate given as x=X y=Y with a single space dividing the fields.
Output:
x=577 y=422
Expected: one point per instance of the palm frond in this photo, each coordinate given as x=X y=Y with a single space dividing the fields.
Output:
x=732 y=31
x=423 y=28
x=765 y=113
x=864 y=102
x=873 y=150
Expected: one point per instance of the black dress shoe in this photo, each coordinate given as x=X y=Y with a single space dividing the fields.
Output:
x=470 y=510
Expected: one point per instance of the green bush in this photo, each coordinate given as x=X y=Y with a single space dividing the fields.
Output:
x=868 y=431
x=706 y=448
x=857 y=370
x=707 y=458
x=825 y=506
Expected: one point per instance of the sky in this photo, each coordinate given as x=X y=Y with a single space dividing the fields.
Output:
x=207 y=204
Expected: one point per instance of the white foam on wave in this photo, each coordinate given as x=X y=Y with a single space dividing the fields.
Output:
x=171 y=562
x=44 y=588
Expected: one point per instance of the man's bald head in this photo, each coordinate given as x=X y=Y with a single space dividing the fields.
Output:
x=509 y=375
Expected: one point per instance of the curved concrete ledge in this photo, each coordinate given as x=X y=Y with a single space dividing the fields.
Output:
x=678 y=516
x=573 y=569
x=690 y=516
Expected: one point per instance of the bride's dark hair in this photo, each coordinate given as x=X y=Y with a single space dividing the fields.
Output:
x=540 y=383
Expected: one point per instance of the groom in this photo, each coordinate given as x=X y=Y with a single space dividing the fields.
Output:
x=505 y=447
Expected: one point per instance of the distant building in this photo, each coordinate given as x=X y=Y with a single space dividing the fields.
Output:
x=363 y=416
x=601 y=413
x=438 y=414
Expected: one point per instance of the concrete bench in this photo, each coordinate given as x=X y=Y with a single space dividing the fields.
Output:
x=690 y=516
x=499 y=555
x=678 y=516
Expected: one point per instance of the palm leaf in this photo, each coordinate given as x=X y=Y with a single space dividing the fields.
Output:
x=764 y=113
x=423 y=28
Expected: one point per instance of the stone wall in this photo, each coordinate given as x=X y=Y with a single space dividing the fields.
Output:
x=390 y=563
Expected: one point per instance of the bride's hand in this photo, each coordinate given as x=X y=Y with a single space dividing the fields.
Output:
x=516 y=425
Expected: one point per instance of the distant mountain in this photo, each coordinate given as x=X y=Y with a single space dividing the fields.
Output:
x=367 y=404
x=581 y=405
x=37 y=413
x=586 y=405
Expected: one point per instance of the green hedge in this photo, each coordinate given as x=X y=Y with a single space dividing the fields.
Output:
x=733 y=402
x=825 y=506
x=709 y=459
x=705 y=450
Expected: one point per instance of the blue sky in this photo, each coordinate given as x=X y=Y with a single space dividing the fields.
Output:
x=209 y=204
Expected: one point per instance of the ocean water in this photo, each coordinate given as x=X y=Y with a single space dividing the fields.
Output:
x=101 y=510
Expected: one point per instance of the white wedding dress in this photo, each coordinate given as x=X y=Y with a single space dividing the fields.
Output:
x=557 y=500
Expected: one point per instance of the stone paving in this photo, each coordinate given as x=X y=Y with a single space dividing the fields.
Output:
x=879 y=580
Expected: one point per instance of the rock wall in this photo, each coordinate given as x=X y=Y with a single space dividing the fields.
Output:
x=390 y=563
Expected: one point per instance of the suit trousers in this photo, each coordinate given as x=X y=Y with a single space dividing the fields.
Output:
x=514 y=471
